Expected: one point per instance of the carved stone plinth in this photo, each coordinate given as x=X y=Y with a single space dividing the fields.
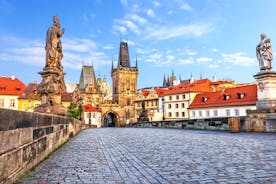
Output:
x=266 y=82
x=51 y=89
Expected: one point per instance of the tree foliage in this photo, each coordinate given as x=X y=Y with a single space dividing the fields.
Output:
x=75 y=111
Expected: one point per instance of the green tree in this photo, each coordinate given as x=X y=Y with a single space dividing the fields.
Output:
x=75 y=111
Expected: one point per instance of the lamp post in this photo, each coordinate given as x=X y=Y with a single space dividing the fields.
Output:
x=163 y=108
x=89 y=120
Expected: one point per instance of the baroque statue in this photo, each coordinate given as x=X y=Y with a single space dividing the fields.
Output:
x=264 y=53
x=53 y=46
x=52 y=86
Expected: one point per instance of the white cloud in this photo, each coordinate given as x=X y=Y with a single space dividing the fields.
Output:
x=213 y=66
x=108 y=47
x=239 y=59
x=170 y=57
x=204 y=59
x=185 y=6
x=150 y=13
x=32 y=52
x=79 y=45
x=156 y=3
x=186 y=61
x=129 y=24
x=123 y=2
x=136 y=18
x=170 y=12
x=214 y=50
x=121 y=29
x=169 y=32
x=191 y=53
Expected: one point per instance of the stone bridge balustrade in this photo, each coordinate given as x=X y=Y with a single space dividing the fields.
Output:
x=26 y=138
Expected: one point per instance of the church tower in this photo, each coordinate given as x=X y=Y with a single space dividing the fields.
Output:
x=124 y=83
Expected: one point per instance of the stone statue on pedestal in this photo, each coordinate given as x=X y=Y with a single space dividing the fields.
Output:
x=143 y=117
x=264 y=53
x=52 y=86
x=53 y=46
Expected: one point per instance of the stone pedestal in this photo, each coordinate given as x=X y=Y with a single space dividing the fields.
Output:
x=51 y=89
x=266 y=83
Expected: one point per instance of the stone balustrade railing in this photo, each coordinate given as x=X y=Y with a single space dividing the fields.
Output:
x=26 y=138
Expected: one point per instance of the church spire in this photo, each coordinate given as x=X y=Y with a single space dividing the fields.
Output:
x=112 y=67
x=123 y=58
x=164 y=81
x=136 y=62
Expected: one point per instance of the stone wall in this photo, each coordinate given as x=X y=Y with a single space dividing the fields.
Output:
x=202 y=124
x=221 y=124
x=26 y=138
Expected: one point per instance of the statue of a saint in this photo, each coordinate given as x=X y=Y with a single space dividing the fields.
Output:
x=264 y=53
x=53 y=46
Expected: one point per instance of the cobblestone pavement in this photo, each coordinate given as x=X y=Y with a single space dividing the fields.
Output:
x=129 y=155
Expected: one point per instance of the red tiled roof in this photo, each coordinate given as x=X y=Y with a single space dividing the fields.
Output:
x=67 y=97
x=89 y=108
x=11 y=86
x=203 y=85
x=30 y=92
x=217 y=99
x=159 y=91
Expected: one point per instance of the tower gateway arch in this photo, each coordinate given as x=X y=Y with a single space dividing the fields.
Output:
x=121 y=111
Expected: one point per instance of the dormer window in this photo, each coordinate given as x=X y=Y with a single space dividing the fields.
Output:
x=241 y=95
x=204 y=99
x=226 y=97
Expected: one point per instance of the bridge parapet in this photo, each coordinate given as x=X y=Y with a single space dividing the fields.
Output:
x=26 y=138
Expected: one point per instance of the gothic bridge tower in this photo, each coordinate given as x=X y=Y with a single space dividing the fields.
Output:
x=124 y=84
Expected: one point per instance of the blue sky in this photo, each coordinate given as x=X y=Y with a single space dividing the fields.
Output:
x=202 y=37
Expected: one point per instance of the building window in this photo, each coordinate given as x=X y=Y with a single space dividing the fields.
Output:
x=177 y=97
x=241 y=95
x=193 y=113
x=170 y=97
x=170 y=114
x=128 y=102
x=226 y=97
x=200 y=113
x=183 y=96
x=176 y=106
x=227 y=111
x=169 y=106
x=177 y=114
x=12 y=102
x=183 y=114
x=182 y=105
x=139 y=104
x=207 y=113
x=237 y=112
x=204 y=99
x=2 y=103
x=215 y=112
x=147 y=103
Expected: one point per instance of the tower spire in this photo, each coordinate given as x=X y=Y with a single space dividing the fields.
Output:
x=136 y=62
x=112 y=67
x=164 y=81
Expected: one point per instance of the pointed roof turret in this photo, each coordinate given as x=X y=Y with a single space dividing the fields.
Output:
x=136 y=61
x=87 y=77
x=164 y=81
x=123 y=58
x=112 y=67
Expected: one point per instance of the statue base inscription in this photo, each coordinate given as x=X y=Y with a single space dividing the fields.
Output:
x=51 y=88
x=266 y=83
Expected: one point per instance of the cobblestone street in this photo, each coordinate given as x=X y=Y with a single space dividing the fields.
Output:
x=126 y=155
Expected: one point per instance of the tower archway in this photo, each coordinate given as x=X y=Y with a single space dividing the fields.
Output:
x=110 y=119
